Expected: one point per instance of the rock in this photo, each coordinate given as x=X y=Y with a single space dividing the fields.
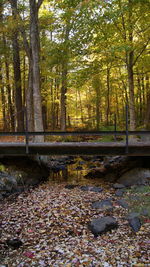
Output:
x=120 y=192
x=114 y=167
x=123 y=203
x=136 y=176
x=14 y=243
x=102 y=225
x=103 y=205
x=134 y=221
x=97 y=173
x=118 y=186
x=81 y=162
x=91 y=188
x=144 y=212
x=96 y=189
x=79 y=168
x=70 y=186
x=8 y=183
x=58 y=168
x=1 y=197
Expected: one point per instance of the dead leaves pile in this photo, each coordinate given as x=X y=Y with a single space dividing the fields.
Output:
x=51 y=221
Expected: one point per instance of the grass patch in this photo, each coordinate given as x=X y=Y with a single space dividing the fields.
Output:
x=138 y=199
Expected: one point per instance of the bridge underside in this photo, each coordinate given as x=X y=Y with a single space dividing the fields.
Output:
x=76 y=148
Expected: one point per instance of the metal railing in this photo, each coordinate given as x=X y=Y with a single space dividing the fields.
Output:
x=115 y=133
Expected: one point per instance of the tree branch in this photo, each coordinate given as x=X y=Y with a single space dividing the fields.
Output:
x=141 y=52
x=39 y=3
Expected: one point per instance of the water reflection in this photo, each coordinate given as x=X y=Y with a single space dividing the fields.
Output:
x=75 y=173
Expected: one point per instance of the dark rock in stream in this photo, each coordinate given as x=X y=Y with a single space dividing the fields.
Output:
x=102 y=205
x=118 y=186
x=134 y=221
x=102 y=225
x=123 y=203
x=119 y=192
x=14 y=243
x=91 y=188
x=70 y=186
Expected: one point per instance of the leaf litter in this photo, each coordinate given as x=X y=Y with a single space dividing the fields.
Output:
x=52 y=222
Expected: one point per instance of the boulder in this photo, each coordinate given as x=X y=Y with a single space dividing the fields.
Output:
x=134 y=221
x=114 y=167
x=8 y=183
x=102 y=205
x=136 y=176
x=102 y=225
x=118 y=186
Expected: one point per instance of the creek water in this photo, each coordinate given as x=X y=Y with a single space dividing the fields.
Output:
x=62 y=170
x=76 y=173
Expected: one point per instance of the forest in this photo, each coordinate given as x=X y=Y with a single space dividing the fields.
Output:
x=74 y=64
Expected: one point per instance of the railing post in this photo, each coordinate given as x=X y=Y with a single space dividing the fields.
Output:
x=127 y=131
x=115 y=127
x=26 y=131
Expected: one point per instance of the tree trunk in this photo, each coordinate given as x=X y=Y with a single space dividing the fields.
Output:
x=96 y=85
x=129 y=62
x=139 y=99
x=34 y=37
x=29 y=99
x=131 y=92
x=63 y=98
x=8 y=88
x=108 y=96
x=17 y=74
x=3 y=101
x=147 y=115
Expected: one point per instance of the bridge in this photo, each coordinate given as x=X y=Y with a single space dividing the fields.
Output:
x=27 y=147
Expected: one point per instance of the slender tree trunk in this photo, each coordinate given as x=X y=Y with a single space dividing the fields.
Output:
x=8 y=88
x=34 y=36
x=131 y=92
x=10 y=105
x=108 y=96
x=81 y=107
x=63 y=97
x=17 y=73
x=29 y=99
x=129 y=62
x=3 y=101
x=96 y=86
x=147 y=114
x=140 y=104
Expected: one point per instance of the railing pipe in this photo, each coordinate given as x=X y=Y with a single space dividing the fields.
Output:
x=115 y=127
x=26 y=131
x=127 y=131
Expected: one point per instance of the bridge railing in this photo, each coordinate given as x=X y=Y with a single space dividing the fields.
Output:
x=125 y=133
x=26 y=134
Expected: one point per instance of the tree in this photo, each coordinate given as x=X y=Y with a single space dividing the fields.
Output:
x=17 y=71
